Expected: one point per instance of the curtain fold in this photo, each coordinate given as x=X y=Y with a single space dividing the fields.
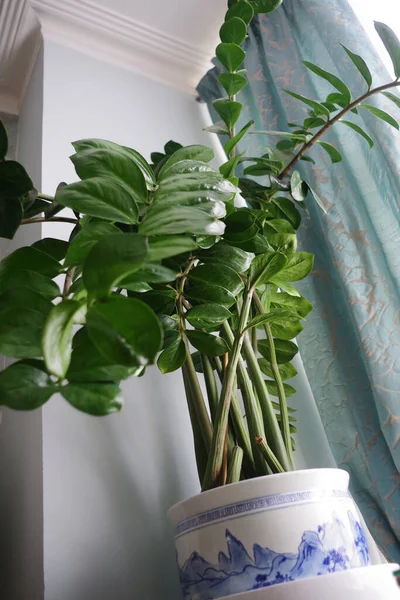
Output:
x=350 y=346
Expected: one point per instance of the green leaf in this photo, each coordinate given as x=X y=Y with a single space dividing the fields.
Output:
x=297 y=137
x=88 y=364
x=233 y=31
x=230 y=55
x=285 y=350
x=150 y=273
x=57 y=249
x=11 y=214
x=228 y=169
x=141 y=162
x=265 y=6
x=232 y=83
x=20 y=278
x=274 y=316
x=111 y=260
x=19 y=297
x=181 y=219
x=243 y=10
x=57 y=337
x=100 y=197
x=237 y=259
x=265 y=266
x=161 y=301
x=20 y=332
x=334 y=154
x=14 y=180
x=165 y=246
x=381 y=114
x=361 y=65
x=319 y=109
x=264 y=166
x=171 y=147
x=188 y=166
x=287 y=371
x=125 y=330
x=206 y=343
x=228 y=110
x=296 y=305
x=298 y=267
x=313 y=122
x=217 y=274
x=109 y=164
x=97 y=399
x=393 y=98
x=31 y=259
x=210 y=293
x=173 y=357
x=286 y=330
x=240 y=226
x=298 y=187
x=273 y=388
x=317 y=199
x=25 y=386
x=82 y=243
x=359 y=131
x=207 y=316
x=290 y=212
x=195 y=152
x=218 y=127
x=392 y=44
x=332 y=79
x=3 y=141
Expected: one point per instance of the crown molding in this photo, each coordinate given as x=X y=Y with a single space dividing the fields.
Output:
x=112 y=37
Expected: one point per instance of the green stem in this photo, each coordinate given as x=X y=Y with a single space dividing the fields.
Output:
x=199 y=446
x=51 y=219
x=45 y=197
x=269 y=455
x=215 y=458
x=306 y=147
x=235 y=467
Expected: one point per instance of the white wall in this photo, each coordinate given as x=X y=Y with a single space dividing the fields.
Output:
x=109 y=481
x=21 y=481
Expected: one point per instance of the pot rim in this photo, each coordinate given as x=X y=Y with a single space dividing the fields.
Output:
x=176 y=508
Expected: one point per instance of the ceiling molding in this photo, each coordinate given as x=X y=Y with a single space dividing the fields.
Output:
x=116 y=38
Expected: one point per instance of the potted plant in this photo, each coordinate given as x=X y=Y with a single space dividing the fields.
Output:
x=166 y=263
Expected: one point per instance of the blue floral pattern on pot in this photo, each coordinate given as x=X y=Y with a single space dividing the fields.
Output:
x=319 y=552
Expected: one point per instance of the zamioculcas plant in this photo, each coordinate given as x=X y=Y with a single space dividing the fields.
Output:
x=163 y=266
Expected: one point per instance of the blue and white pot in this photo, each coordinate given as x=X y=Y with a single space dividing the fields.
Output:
x=267 y=531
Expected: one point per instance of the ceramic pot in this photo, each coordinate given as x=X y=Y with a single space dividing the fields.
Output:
x=366 y=583
x=267 y=531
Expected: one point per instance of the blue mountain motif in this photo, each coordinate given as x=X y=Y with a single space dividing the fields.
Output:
x=334 y=547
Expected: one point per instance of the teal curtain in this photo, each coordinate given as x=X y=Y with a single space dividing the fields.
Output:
x=351 y=343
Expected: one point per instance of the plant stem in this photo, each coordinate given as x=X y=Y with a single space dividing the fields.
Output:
x=68 y=281
x=199 y=446
x=268 y=454
x=331 y=122
x=235 y=466
x=211 y=386
x=45 y=197
x=51 y=219
x=279 y=383
x=215 y=459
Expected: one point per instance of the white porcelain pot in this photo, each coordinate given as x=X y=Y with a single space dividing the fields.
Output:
x=367 y=583
x=267 y=531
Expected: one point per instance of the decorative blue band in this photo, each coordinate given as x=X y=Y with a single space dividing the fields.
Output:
x=255 y=504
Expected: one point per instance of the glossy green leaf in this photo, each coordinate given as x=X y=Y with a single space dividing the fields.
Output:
x=97 y=399
x=313 y=122
x=3 y=141
x=237 y=259
x=265 y=6
x=188 y=166
x=82 y=244
x=151 y=273
x=257 y=245
x=25 y=386
x=265 y=266
x=228 y=168
x=20 y=332
x=210 y=293
x=171 y=147
x=297 y=305
x=277 y=225
x=297 y=187
x=181 y=219
x=98 y=144
x=14 y=180
x=21 y=278
x=331 y=78
x=274 y=316
x=165 y=246
x=170 y=327
x=381 y=114
x=207 y=316
x=112 y=259
x=392 y=44
x=297 y=268
x=173 y=357
x=361 y=65
x=100 y=197
x=29 y=258
x=57 y=337
x=334 y=154
x=161 y=301
x=230 y=55
x=288 y=210
x=106 y=163
x=228 y=110
x=22 y=298
x=319 y=109
x=125 y=330
x=233 y=31
x=240 y=226
x=52 y=246
x=287 y=371
x=11 y=213
x=317 y=199
x=393 y=98
x=273 y=389
x=195 y=152
x=285 y=350
x=286 y=330
x=206 y=343
x=217 y=274
x=206 y=201
x=264 y=167
x=360 y=131
x=232 y=83
x=218 y=127
x=243 y=10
